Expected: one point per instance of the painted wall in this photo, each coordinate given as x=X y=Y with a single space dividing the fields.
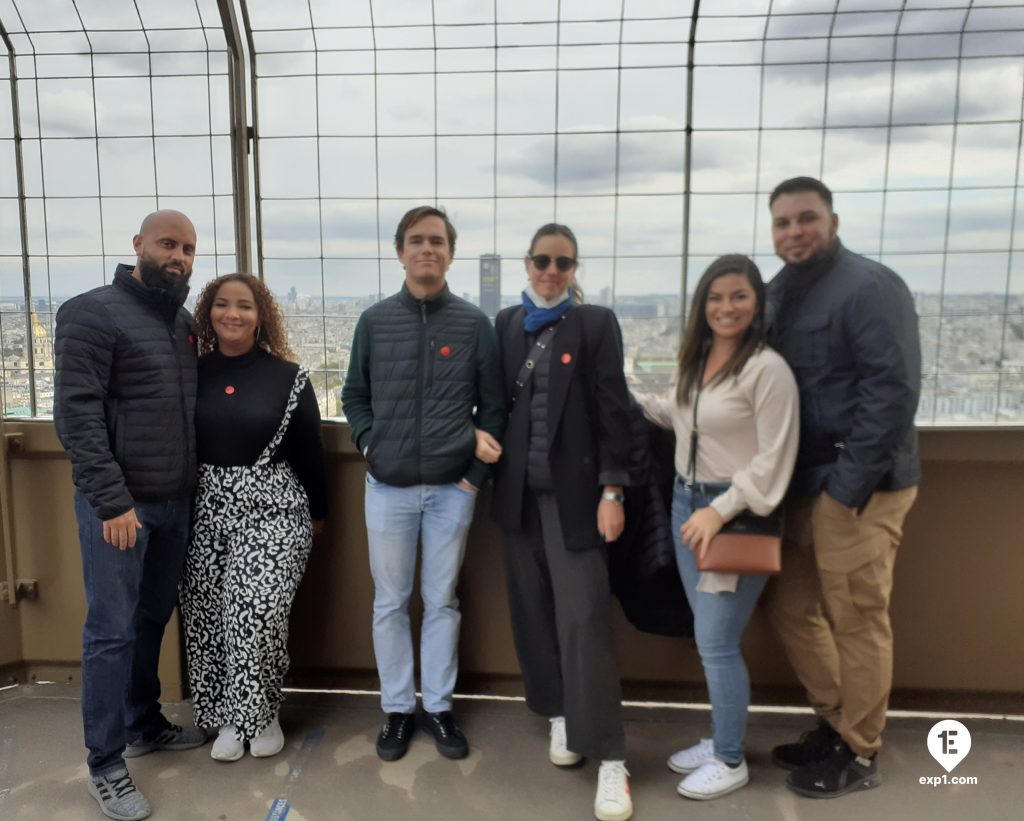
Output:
x=958 y=611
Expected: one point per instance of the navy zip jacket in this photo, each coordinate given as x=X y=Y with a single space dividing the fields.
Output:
x=125 y=395
x=848 y=329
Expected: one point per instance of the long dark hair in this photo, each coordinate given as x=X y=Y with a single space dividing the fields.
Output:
x=270 y=335
x=552 y=229
x=697 y=341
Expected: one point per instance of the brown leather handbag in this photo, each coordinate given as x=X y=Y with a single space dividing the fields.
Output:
x=746 y=544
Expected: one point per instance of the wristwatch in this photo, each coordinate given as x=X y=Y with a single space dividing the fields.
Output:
x=612 y=496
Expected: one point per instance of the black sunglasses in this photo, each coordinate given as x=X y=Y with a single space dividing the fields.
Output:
x=563 y=264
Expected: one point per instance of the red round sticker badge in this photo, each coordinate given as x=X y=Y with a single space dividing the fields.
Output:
x=566 y=358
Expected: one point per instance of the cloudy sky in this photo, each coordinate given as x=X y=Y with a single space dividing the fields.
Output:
x=514 y=113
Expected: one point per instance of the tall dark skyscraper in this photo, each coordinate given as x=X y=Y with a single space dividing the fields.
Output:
x=490 y=284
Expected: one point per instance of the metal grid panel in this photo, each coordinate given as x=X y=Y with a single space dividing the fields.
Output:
x=508 y=114
x=515 y=112
x=123 y=109
x=511 y=114
x=911 y=112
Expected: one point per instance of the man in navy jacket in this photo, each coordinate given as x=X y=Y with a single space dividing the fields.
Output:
x=848 y=329
x=124 y=409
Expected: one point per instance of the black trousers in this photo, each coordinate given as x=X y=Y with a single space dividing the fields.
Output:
x=561 y=608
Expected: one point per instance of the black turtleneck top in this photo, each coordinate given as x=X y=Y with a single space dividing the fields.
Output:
x=240 y=405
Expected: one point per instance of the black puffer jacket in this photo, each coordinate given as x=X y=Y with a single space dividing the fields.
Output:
x=642 y=565
x=125 y=395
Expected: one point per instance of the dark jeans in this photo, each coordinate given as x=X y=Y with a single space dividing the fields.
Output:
x=130 y=594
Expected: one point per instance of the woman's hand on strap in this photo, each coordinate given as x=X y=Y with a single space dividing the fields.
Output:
x=487 y=448
x=698 y=531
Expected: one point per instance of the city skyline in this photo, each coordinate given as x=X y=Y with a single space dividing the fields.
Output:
x=983 y=380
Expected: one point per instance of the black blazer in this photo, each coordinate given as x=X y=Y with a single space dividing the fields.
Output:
x=588 y=419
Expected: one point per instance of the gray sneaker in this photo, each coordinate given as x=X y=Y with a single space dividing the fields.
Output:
x=172 y=738
x=118 y=797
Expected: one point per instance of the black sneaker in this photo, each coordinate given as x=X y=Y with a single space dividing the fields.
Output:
x=393 y=741
x=842 y=771
x=450 y=741
x=813 y=746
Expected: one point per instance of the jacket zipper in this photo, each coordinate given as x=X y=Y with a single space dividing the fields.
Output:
x=184 y=402
x=430 y=364
x=420 y=386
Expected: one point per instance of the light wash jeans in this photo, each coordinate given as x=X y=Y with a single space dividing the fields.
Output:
x=719 y=620
x=396 y=519
x=130 y=594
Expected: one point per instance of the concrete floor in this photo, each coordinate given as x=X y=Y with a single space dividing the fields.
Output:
x=330 y=772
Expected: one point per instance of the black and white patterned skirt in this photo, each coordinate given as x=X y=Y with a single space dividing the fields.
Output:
x=250 y=542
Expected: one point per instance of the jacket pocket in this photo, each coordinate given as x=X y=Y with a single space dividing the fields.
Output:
x=808 y=346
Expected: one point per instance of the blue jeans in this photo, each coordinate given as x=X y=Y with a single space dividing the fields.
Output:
x=719 y=620
x=396 y=518
x=130 y=594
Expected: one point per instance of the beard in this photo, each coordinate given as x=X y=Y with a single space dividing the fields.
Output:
x=819 y=256
x=174 y=286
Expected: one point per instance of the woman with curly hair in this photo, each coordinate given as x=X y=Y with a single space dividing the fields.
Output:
x=261 y=498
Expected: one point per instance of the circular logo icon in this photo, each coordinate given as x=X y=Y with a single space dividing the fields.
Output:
x=949 y=742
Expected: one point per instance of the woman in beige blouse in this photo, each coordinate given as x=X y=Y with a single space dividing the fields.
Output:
x=747 y=418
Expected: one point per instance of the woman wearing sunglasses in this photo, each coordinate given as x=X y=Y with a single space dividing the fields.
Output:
x=558 y=498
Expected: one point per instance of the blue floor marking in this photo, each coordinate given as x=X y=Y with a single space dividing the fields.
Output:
x=281 y=807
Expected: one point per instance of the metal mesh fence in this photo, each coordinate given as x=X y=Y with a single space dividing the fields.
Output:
x=655 y=128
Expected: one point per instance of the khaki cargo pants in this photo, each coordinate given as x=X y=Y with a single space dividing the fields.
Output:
x=830 y=607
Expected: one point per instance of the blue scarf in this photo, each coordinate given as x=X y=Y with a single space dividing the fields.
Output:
x=537 y=317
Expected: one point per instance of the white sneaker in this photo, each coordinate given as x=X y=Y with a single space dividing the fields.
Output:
x=228 y=746
x=612 y=802
x=558 y=751
x=269 y=742
x=714 y=779
x=686 y=761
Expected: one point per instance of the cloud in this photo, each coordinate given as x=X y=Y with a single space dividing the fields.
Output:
x=586 y=163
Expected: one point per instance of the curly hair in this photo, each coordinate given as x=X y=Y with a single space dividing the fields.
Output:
x=270 y=333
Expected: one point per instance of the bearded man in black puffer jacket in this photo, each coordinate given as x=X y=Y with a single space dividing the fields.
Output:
x=124 y=410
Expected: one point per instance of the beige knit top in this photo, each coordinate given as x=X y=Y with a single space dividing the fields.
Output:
x=749 y=427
